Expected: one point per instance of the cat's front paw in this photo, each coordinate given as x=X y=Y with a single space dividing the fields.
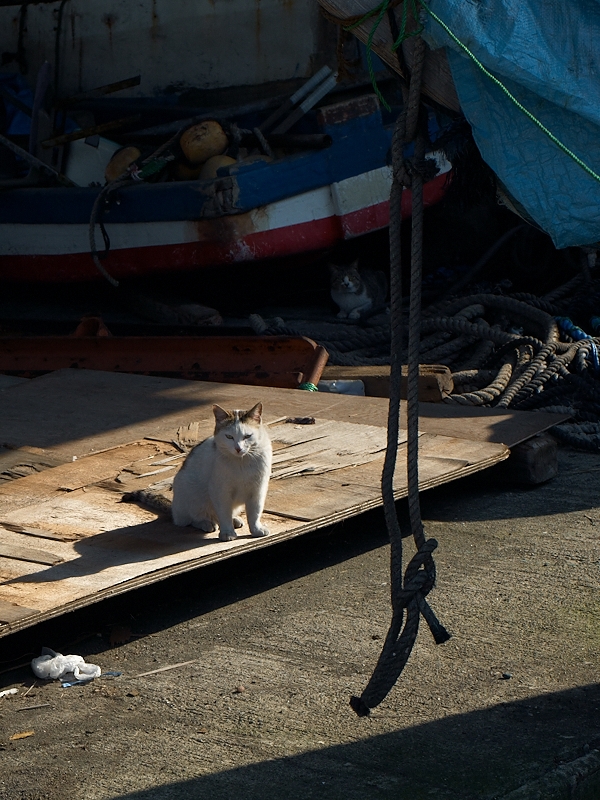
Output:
x=355 y=314
x=260 y=530
x=227 y=536
x=341 y=315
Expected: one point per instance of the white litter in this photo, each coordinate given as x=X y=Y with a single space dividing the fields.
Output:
x=7 y=692
x=51 y=665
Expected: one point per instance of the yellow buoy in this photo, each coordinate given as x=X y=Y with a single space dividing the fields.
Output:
x=202 y=141
x=183 y=172
x=120 y=161
x=210 y=167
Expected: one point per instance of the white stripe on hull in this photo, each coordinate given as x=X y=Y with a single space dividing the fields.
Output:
x=339 y=199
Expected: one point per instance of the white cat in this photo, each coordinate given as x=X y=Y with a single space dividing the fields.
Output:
x=226 y=472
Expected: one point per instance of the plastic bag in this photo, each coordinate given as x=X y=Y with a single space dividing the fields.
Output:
x=51 y=665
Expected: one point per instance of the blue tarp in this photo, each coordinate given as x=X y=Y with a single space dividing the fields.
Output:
x=547 y=53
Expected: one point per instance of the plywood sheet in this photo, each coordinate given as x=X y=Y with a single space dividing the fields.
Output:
x=76 y=412
x=324 y=446
x=11 y=612
x=67 y=540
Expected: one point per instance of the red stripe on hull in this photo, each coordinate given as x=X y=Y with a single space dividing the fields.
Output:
x=225 y=248
x=138 y=261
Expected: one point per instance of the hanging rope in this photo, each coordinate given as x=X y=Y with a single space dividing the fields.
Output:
x=149 y=166
x=96 y=219
x=408 y=592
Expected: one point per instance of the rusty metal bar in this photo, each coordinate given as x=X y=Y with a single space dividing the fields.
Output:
x=280 y=361
x=100 y=91
x=35 y=162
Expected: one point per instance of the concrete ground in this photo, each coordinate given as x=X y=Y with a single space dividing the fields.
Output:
x=282 y=637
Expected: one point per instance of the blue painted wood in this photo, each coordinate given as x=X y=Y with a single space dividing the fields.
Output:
x=359 y=145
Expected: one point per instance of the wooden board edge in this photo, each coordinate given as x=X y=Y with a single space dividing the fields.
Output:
x=256 y=544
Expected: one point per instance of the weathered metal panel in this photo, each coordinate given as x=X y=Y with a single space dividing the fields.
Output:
x=173 y=44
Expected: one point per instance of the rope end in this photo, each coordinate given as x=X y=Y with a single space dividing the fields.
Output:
x=359 y=706
x=440 y=634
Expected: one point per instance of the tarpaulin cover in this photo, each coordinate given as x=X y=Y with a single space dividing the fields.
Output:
x=547 y=53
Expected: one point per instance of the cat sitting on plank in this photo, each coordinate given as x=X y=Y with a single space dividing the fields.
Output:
x=357 y=292
x=226 y=472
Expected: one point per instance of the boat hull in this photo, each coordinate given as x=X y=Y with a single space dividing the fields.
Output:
x=311 y=221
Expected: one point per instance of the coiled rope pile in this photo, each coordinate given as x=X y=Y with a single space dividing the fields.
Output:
x=520 y=351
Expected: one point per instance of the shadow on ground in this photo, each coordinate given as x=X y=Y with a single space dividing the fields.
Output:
x=183 y=597
x=490 y=495
x=433 y=760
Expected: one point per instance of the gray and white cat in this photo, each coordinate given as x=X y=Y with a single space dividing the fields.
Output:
x=224 y=473
x=357 y=292
x=228 y=471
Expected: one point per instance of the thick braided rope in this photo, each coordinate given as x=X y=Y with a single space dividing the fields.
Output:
x=509 y=304
x=475 y=330
x=535 y=366
x=487 y=394
x=558 y=365
x=408 y=594
x=447 y=352
x=479 y=356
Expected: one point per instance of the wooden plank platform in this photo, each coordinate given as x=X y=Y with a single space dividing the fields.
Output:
x=67 y=541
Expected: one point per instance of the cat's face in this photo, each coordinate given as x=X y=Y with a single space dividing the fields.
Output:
x=346 y=278
x=237 y=432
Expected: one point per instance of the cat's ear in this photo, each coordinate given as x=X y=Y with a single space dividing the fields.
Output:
x=333 y=269
x=221 y=415
x=353 y=264
x=255 y=414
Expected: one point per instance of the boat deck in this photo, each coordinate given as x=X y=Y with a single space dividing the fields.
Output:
x=75 y=440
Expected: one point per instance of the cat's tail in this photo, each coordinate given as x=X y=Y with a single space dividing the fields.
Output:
x=150 y=499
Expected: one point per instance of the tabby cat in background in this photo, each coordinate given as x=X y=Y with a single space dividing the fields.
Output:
x=358 y=293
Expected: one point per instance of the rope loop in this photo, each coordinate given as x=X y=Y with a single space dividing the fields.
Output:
x=408 y=589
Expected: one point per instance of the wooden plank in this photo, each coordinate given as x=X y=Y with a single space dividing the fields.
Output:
x=284 y=361
x=101 y=547
x=436 y=81
x=435 y=380
x=309 y=498
x=325 y=446
x=38 y=533
x=12 y=612
x=71 y=476
x=140 y=550
x=123 y=546
x=28 y=554
x=74 y=412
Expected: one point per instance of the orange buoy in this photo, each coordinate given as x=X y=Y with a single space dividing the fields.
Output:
x=202 y=141
x=210 y=167
x=120 y=161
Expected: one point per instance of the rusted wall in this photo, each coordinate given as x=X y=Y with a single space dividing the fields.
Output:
x=171 y=43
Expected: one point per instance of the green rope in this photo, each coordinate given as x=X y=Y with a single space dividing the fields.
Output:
x=152 y=167
x=381 y=9
x=309 y=387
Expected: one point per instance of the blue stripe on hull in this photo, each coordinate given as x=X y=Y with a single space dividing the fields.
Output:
x=359 y=145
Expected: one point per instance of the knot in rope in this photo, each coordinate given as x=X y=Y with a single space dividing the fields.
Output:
x=408 y=589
